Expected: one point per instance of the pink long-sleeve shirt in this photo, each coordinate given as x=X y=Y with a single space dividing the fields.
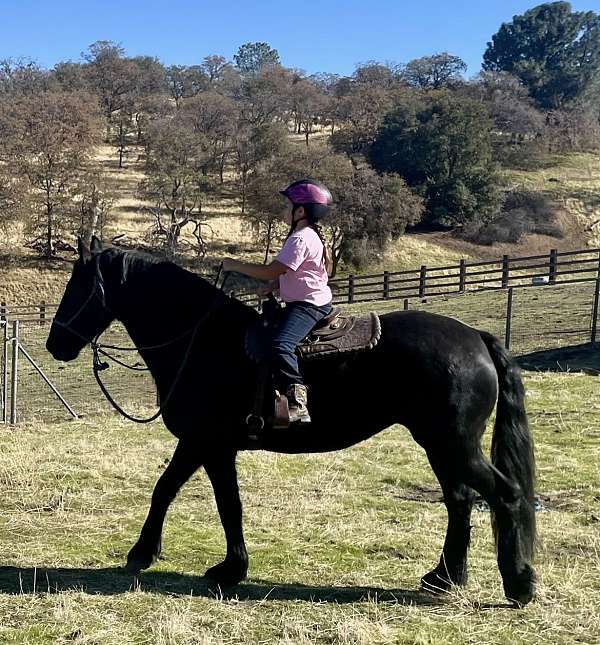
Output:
x=306 y=279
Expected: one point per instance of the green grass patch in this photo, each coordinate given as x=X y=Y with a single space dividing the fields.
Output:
x=337 y=542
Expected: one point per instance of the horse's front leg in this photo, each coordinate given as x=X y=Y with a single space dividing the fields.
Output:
x=221 y=471
x=186 y=460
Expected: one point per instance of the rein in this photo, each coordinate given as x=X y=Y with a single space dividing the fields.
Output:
x=99 y=365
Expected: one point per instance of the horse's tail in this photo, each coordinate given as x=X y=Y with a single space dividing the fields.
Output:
x=512 y=444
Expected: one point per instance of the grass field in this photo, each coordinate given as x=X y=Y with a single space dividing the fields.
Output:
x=337 y=541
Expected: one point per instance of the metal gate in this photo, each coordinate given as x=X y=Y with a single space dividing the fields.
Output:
x=11 y=350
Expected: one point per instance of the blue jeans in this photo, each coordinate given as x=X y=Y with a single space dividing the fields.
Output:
x=298 y=319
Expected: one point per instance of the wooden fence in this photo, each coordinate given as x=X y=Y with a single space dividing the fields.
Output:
x=567 y=267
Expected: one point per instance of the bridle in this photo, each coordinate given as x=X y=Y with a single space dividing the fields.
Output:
x=98 y=365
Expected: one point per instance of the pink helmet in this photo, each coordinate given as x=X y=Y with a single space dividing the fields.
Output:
x=308 y=191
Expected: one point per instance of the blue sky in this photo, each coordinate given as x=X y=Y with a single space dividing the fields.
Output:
x=314 y=36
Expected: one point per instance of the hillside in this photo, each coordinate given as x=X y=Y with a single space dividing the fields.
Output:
x=573 y=181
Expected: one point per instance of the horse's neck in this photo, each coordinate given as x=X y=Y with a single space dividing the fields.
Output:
x=164 y=303
x=160 y=301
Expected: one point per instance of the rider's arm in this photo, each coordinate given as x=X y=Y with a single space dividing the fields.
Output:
x=259 y=271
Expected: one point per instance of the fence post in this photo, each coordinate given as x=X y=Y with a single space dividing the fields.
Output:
x=14 y=372
x=553 y=266
x=462 y=276
x=350 y=288
x=42 y=313
x=386 y=285
x=595 y=309
x=422 y=280
x=509 y=309
x=4 y=374
x=505 y=270
x=405 y=304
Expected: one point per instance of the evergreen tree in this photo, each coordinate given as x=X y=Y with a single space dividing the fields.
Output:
x=553 y=50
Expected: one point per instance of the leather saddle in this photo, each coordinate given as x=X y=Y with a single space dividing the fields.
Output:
x=336 y=333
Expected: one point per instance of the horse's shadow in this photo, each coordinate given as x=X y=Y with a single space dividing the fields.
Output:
x=112 y=581
x=573 y=358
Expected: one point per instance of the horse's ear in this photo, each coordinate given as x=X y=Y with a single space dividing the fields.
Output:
x=96 y=245
x=84 y=252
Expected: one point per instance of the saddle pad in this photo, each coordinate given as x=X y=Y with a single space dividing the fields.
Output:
x=344 y=334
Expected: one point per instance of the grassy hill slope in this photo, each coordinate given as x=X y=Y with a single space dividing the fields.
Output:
x=573 y=181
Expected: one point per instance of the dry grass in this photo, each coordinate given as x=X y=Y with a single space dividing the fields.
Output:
x=573 y=180
x=343 y=567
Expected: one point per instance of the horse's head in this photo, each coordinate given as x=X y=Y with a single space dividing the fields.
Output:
x=83 y=312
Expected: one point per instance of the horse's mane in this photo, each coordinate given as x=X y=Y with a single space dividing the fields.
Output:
x=181 y=281
x=134 y=262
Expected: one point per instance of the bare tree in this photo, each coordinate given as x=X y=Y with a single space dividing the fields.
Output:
x=383 y=75
x=361 y=111
x=433 y=72
x=215 y=67
x=70 y=77
x=252 y=146
x=124 y=125
x=20 y=77
x=11 y=192
x=111 y=76
x=52 y=136
x=265 y=96
x=95 y=205
x=214 y=116
x=184 y=82
x=175 y=186
x=150 y=108
x=313 y=104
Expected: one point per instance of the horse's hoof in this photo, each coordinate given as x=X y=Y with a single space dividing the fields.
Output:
x=435 y=583
x=227 y=574
x=520 y=590
x=136 y=566
x=139 y=562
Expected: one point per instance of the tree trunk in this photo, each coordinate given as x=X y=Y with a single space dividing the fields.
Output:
x=336 y=256
x=243 y=193
x=93 y=223
x=121 y=143
x=49 y=230
x=268 y=247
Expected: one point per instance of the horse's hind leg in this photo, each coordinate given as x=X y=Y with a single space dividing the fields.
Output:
x=458 y=497
x=222 y=473
x=183 y=465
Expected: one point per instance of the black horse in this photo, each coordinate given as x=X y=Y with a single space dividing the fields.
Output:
x=434 y=375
